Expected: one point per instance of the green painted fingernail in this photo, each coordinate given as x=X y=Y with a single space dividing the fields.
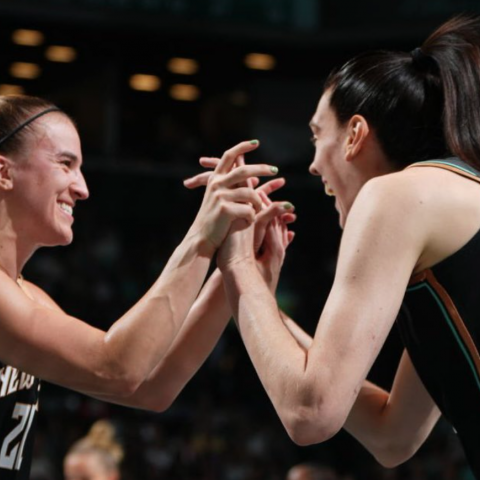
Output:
x=274 y=169
x=287 y=206
x=253 y=142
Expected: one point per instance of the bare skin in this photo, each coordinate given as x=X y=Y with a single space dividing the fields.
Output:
x=38 y=192
x=87 y=466
x=318 y=386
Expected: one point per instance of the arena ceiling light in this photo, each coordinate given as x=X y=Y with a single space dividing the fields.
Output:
x=183 y=66
x=57 y=53
x=25 y=70
x=145 y=83
x=260 y=61
x=185 y=93
x=29 y=38
x=8 y=89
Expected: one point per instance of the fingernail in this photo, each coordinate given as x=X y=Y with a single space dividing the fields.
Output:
x=287 y=206
x=274 y=170
x=254 y=142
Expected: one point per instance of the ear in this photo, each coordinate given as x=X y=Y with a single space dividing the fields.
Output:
x=6 y=182
x=357 y=133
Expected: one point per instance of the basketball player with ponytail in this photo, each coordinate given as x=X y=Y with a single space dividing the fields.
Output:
x=397 y=143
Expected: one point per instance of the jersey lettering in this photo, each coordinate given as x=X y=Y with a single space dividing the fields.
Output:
x=11 y=453
x=12 y=380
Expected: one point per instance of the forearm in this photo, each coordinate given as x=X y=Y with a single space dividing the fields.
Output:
x=137 y=342
x=265 y=336
x=303 y=339
x=366 y=421
x=392 y=426
x=196 y=339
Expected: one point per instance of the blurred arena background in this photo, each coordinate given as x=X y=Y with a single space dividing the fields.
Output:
x=154 y=84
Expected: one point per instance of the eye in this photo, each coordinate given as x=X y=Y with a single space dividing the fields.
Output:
x=67 y=162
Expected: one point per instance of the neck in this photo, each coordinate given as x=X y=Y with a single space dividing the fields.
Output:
x=366 y=168
x=14 y=253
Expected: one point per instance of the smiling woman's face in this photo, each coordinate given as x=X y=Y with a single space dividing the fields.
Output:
x=48 y=182
x=330 y=141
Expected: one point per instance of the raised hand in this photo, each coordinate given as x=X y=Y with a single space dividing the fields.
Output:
x=275 y=240
x=244 y=240
x=227 y=197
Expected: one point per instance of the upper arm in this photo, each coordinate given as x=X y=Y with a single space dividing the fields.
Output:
x=37 y=337
x=383 y=239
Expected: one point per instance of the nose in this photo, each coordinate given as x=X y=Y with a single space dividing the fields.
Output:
x=79 y=187
x=313 y=170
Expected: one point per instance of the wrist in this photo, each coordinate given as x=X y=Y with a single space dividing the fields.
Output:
x=239 y=268
x=201 y=244
x=270 y=280
x=240 y=279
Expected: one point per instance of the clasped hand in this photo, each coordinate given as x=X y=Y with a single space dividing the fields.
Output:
x=244 y=224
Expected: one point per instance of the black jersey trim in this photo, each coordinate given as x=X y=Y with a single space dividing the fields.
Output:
x=426 y=279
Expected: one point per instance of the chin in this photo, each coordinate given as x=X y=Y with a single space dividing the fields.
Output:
x=61 y=239
x=67 y=240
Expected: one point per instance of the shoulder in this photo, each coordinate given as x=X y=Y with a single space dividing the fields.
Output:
x=405 y=186
x=397 y=200
x=412 y=184
x=19 y=299
x=417 y=209
x=39 y=295
x=392 y=218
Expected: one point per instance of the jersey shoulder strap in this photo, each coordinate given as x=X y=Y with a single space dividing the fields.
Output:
x=452 y=164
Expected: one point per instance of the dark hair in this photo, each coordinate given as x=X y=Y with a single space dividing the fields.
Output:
x=422 y=105
x=15 y=110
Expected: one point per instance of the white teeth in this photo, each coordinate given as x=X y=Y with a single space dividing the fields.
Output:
x=328 y=190
x=66 y=208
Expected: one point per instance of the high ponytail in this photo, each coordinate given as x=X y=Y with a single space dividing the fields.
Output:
x=455 y=46
x=422 y=105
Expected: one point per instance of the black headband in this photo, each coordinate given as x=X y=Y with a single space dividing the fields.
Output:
x=27 y=122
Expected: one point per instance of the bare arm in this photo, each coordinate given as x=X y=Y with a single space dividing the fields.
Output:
x=209 y=315
x=314 y=390
x=54 y=346
x=200 y=332
x=303 y=339
x=393 y=426
x=390 y=425
x=57 y=347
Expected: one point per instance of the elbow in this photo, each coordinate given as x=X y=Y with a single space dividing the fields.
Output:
x=159 y=404
x=123 y=386
x=119 y=381
x=394 y=453
x=148 y=397
x=311 y=425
